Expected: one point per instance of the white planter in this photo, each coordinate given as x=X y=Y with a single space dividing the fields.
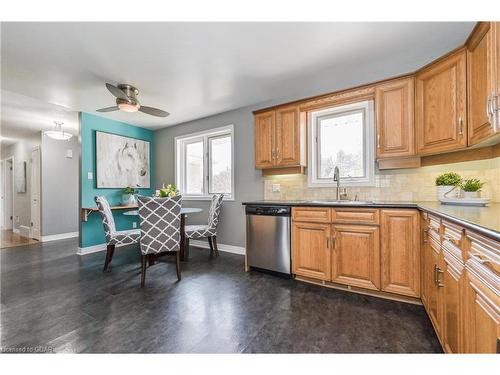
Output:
x=129 y=199
x=447 y=192
x=470 y=194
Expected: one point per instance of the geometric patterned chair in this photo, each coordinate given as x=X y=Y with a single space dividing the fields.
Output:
x=209 y=230
x=113 y=237
x=160 y=228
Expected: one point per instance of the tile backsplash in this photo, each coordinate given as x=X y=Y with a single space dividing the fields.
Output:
x=393 y=185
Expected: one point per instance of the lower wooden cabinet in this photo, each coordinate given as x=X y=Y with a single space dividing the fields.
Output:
x=356 y=256
x=400 y=252
x=311 y=254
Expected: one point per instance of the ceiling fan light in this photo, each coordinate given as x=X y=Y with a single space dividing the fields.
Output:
x=58 y=134
x=128 y=107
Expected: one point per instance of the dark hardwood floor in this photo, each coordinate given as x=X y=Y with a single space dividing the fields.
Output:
x=52 y=297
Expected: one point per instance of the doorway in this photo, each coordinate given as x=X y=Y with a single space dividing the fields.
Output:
x=7 y=195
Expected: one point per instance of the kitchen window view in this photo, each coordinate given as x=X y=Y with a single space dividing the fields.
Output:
x=342 y=137
x=205 y=163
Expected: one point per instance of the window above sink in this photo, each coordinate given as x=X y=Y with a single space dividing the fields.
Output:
x=342 y=136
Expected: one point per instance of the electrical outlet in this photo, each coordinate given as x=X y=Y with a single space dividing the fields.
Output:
x=134 y=224
x=90 y=175
x=276 y=188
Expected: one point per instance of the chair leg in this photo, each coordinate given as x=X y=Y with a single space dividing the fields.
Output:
x=186 y=250
x=214 y=241
x=143 y=269
x=110 y=249
x=211 y=245
x=178 y=264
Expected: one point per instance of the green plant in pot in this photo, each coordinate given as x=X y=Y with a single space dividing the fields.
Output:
x=128 y=196
x=169 y=191
x=447 y=185
x=471 y=188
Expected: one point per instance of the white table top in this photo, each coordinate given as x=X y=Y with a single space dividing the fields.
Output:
x=184 y=210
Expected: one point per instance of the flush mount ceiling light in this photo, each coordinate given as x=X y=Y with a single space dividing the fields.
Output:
x=58 y=132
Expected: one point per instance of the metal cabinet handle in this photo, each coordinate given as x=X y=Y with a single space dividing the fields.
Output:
x=460 y=126
x=449 y=238
x=489 y=111
x=327 y=242
x=425 y=231
x=378 y=140
x=277 y=153
x=437 y=271
x=478 y=258
x=333 y=242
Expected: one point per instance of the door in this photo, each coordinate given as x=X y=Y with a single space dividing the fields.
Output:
x=8 y=194
x=480 y=80
x=356 y=256
x=264 y=139
x=35 y=194
x=287 y=145
x=311 y=253
x=431 y=275
x=400 y=252
x=452 y=303
x=394 y=111
x=440 y=113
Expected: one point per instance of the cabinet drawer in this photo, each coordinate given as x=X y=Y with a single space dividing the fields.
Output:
x=453 y=239
x=434 y=222
x=484 y=253
x=312 y=214
x=356 y=215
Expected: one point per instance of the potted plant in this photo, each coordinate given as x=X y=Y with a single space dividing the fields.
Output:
x=128 y=196
x=472 y=188
x=169 y=191
x=446 y=183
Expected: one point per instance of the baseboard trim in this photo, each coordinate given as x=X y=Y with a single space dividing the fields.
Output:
x=222 y=247
x=198 y=243
x=60 y=236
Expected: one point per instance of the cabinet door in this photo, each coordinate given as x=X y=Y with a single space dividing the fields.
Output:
x=356 y=256
x=430 y=276
x=480 y=85
x=440 y=113
x=287 y=136
x=400 y=252
x=394 y=107
x=264 y=139
x=482 y=316
x=311 y=254
x=452 y=290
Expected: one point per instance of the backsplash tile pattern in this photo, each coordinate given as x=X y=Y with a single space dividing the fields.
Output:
x=394 y=185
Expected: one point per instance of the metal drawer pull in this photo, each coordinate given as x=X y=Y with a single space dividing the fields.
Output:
x=454 y=241
x=327 y=242
x=477 y=257
x=460 y=126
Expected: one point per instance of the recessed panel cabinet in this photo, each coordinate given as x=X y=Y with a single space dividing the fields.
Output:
x=394 y=103
x=440 y=110
x=264 y=139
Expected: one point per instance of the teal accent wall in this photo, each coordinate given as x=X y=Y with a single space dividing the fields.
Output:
x=92 y=232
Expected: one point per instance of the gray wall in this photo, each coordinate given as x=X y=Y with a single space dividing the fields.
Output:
x=248 y=181
x=59 y=186
x=21 y=151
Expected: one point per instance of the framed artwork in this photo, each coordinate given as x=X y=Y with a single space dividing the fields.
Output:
x=121 y=161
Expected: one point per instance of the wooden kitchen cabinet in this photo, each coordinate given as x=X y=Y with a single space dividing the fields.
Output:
x=280 y=138
x=311 y=253
x=264 y=139
x=440 y=106
x=400 y=252
x=394 y=107
x=482 y=81
x=356 y=256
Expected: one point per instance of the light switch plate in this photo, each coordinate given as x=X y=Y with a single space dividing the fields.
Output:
x=134 y=225
x=69 y=154
x=90 y=175
x=276 y=188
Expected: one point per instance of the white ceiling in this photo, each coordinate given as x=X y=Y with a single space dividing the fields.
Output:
x=193 y=70
x=23 y=116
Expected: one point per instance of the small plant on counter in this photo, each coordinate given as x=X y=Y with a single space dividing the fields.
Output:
x=448 y=179
x=128 y=196
x=169 y=191
x=129 y=190
x=472 y=187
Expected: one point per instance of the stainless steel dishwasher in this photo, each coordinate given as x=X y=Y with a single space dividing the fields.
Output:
x=268 y=238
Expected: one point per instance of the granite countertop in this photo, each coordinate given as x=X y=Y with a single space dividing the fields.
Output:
x=484 y=220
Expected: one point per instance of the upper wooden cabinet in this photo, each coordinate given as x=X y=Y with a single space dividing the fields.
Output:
x=440 y=111
x=482 y=78
x=264 y=139
x=400 y=254
x=395 y=112
x=280 y=138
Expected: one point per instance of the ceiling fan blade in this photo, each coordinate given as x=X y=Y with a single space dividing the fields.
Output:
x=153 y=111
x=117 y=92
x=108 y=109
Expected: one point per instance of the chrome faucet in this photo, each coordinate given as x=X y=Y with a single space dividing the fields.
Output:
x=341 y=194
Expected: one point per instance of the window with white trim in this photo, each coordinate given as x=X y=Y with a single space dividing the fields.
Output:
x=342 y=136
x=205 y=163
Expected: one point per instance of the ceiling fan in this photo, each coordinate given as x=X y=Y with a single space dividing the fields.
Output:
x=126 y=101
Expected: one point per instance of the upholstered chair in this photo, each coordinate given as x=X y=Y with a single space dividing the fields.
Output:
x=113 y=237
x=160 y=225
x=208 y=231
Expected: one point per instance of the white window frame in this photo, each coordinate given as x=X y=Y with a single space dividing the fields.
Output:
x=367 y=107
x=204 y=136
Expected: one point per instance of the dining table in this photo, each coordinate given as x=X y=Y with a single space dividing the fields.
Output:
x=184 y=253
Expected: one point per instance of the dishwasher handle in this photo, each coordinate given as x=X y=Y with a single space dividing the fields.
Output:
x=269 y=210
